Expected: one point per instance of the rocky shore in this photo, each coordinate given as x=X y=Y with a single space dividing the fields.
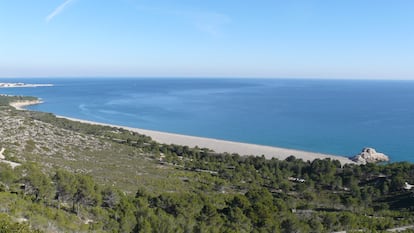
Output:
x=370 y=155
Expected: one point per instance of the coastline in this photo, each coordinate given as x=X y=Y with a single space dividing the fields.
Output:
x=19 y=105
x=20 y=85
x=220 y=146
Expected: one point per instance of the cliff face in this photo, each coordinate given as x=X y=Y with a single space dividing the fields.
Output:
x=369 y=155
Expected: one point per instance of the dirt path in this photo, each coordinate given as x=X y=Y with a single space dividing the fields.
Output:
x=1 y=154
x=3 y=159
x=398 y=229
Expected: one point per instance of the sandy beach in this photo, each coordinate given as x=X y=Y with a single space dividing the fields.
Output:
x=220 y=146
x=21 y=104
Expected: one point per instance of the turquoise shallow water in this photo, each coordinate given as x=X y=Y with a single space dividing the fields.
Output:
x=328 y=116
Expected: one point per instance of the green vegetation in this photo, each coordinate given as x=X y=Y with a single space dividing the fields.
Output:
x=6 y=100
x=111 y=180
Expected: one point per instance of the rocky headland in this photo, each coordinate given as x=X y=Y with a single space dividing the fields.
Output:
x=370 y=155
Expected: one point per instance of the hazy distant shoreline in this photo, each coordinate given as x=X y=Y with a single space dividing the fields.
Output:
x=220 y=146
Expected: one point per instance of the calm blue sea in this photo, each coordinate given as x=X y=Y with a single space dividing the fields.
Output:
x=329 y=116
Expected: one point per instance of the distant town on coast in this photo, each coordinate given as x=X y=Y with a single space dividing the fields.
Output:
x=12 y=85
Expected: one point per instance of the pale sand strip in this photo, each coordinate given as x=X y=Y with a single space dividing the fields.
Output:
x=223 y=146
x=19 y=105
x=220 y=146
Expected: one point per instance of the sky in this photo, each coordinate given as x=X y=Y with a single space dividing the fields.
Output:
x=358 y=39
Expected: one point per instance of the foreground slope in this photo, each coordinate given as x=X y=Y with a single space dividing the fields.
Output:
x=76 y=177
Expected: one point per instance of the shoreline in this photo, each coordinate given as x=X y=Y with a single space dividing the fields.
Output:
x=23 y=85
x=19 y=105
x=218 y=145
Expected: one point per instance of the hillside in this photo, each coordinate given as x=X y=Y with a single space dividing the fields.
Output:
x=76 y=177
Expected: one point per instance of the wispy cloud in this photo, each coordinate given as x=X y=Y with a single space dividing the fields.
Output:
x=58 y=10
x=209 y=22
x=206 y=21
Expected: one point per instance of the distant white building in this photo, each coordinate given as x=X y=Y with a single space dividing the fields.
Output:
x=294 y=179
x=408 y=186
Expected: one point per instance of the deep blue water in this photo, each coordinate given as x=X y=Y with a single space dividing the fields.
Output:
x=329 y=116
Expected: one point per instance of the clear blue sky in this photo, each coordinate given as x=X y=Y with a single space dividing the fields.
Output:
x=208 y=38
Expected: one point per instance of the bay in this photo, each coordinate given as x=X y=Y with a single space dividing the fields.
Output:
x=328 y=116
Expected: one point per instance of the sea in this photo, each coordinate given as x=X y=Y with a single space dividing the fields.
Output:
x=338 y=117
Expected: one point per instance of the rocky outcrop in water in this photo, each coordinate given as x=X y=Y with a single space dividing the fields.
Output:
x=369 y=155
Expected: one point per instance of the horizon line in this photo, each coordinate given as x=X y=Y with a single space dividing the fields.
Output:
x=204 y=77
